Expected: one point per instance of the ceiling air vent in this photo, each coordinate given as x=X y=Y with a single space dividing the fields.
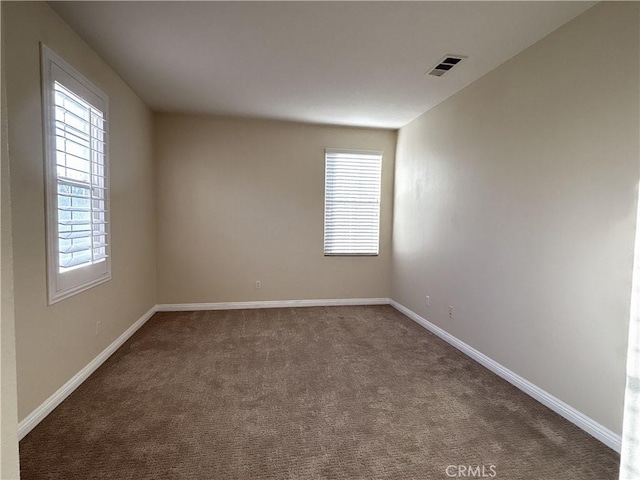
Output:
x=446 y=64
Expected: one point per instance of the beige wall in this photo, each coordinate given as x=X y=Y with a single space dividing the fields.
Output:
x=9 y=464
x=515 y=202
x=243 y=200
x=55 y=342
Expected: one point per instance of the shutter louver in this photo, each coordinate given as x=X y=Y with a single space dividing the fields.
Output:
x=81 y=182
x=352 y=202
x=76 y=147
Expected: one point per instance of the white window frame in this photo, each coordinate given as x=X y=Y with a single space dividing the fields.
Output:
x=328 y=252
x=63 y=285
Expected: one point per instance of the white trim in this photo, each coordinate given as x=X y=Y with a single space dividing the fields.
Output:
x=587 y=424
x=330 y=302
x=353 y=151
x=35 y=417
x=593 y=428
x=64 y=285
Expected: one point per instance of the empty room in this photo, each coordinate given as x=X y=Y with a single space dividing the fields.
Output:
x=320 y=240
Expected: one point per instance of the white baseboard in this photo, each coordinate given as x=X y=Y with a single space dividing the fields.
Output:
x=606 y=436
x=35 y=417
x=587 y=424
x=329 y=302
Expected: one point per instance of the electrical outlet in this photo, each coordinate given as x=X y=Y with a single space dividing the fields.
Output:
x=428 y=300
x=258 y=284
x=97 y=328
x=450 y=311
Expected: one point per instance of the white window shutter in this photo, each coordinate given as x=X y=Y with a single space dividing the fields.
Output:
x=352 y=202
x=80 y=178
x=77 y=179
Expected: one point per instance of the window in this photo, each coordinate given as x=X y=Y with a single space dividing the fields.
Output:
x=352 y=202
x=77 y=179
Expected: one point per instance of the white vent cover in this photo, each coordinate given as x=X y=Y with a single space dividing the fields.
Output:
x=445 y=64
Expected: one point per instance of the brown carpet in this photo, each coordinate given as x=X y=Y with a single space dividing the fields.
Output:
x=302 y=393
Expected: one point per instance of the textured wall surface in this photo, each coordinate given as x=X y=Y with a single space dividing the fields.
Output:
x=515 y=202
x=55 y=342
x=243 y=200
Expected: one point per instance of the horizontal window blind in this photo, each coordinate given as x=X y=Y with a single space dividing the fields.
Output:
x=81 y=181
x=352 y=202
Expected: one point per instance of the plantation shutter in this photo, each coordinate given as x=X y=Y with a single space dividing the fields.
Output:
x=76 y=161
x=352 y=202
x=80 y=181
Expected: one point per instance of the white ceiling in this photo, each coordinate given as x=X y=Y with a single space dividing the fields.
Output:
x=344 y=63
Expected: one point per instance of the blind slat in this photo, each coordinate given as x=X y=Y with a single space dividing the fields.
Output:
x=352 y=202
x=80 y=248
x=70 y=234
x=76 y=260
